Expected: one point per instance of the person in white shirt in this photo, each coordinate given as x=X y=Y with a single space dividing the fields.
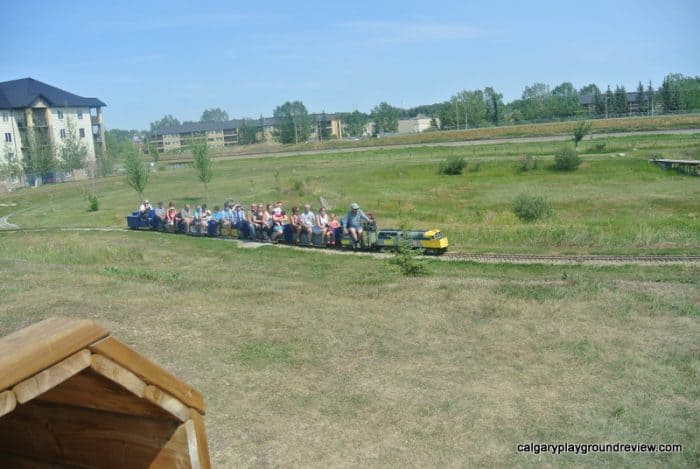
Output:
x=308 y=220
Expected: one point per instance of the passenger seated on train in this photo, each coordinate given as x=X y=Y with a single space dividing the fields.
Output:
x=308 y=220
x=144 y=209
x=353 y=223
x=262 y=219
x=333 y=224
x=226 y=216
x=186 y=218
x=321 y=225
x=256 y=219
x=160 y=215
x=295 y=224
x=243 y=224
x=170 y=217
x=278 y=222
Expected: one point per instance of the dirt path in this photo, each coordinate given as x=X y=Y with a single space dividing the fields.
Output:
x=6 y=225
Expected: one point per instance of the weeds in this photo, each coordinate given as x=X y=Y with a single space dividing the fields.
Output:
x=453 y=166
x=528 y=163
x=566 y=159
x=531 y=207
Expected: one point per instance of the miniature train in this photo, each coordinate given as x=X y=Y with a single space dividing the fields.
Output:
x=428 y=241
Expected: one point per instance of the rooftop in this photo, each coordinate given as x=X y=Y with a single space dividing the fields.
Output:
x=22 y=93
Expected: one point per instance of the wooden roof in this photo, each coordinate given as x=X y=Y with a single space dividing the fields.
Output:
x=65 y=377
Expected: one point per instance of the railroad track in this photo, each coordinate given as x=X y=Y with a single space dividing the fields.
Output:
x=572 y=258
x=592 y=259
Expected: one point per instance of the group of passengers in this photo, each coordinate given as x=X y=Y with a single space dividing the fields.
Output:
x=262 y=222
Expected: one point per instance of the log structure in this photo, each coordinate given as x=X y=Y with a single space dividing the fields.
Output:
x=72 y=395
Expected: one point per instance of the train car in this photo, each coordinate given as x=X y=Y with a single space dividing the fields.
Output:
x=428 y=241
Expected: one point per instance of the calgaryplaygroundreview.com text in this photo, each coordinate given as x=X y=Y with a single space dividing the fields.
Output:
x=586 y=448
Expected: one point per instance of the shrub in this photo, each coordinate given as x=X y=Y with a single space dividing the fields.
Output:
x=566 y=159
x=454 y=165
x=93 y=202
x=581 y=129
x=407 y=262
x=528 y=163
x=531 y=207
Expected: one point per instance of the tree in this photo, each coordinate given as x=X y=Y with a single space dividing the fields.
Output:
x=167 y=121
x=11 y=167
x=137 y=173
x=73 y=152
x=494 y=105
x=322 y=130
x=581 y=129
x=650 y=96
x=609 y=102
x=565 y=101
x=292 y=123
x=355 y=123
x=40 y=158
x=386 y=118
x=214 y=115
x=621 y=104
x=152 y=150
x=202 y=162
x=247 y=132
x=641 y=99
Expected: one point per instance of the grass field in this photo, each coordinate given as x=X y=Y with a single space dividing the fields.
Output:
x=625 y=124
x=611 y=204
x=307 y=359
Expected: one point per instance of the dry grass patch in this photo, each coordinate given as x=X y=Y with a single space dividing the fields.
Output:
x=314 y=360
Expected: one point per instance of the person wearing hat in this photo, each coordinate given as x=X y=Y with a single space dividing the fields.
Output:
x=353 y=223
x=145 y=209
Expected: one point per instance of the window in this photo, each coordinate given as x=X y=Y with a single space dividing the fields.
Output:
x=60 y=114
x=5 y=117
x=82 y=133
x=8 y=137
x=80 y=114
x=63 y=133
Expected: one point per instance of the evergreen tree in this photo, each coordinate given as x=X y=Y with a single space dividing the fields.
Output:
x=609 y=102
x=650 y=97
x=641 y=99
x=621 y=103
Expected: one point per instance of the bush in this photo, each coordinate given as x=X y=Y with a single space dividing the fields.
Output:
x=407 y=262
x=93 y=202
x=531 y=207
x=528 y=163
x=566 y=159
x=454 y=165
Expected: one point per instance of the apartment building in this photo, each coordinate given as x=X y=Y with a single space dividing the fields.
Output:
x=30 y=108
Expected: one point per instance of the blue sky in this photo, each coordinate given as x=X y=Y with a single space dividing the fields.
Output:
x=155 y=58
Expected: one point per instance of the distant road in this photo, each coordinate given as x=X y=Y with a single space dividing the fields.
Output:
x=463 y=143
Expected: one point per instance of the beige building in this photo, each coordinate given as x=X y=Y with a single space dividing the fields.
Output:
x=218 y=134
x=30 y=108
x=416 y=124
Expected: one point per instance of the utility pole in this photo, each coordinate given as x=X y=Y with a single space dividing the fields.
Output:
x=466 y=120
x=606 y=104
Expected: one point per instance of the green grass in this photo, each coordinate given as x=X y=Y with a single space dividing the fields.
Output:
x=624 y=124
x=308 y=359
x=611 y=204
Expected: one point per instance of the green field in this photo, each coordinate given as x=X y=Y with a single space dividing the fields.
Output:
x=623 y=124
x=309 y=359
x=611 y=204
